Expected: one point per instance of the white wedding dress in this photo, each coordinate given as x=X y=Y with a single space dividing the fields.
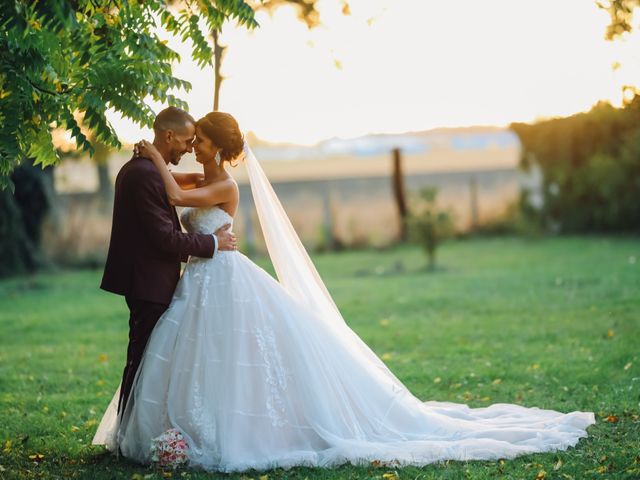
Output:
x=254 y=376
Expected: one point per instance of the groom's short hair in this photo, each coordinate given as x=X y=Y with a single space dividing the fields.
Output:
x=172 y=118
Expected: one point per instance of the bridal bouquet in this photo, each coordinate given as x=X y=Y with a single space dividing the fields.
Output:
x=169 y=449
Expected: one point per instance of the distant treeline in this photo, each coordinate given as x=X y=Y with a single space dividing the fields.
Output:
x=590 y=165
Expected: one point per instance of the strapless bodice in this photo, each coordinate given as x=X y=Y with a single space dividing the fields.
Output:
x=204 y=219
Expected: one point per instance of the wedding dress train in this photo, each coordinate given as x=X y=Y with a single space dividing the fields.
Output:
x=255 y=376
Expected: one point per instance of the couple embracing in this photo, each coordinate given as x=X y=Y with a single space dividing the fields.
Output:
x=228 y=369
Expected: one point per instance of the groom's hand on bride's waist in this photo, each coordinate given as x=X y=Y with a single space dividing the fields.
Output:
x=226 y=238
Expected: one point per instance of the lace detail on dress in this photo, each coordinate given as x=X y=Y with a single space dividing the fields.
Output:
x=202 y=275
x=203 y=422
x=204 y=220
x=276 y=373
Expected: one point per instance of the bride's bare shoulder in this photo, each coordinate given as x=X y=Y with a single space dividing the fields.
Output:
x=223 y=184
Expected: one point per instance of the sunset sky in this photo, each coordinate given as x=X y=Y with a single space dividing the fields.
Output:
x=406 y=65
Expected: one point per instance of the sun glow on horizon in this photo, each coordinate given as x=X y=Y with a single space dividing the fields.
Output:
x=410 y=65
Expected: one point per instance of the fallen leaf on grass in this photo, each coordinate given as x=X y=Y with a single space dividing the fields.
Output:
x=38 y=457
x=390 y=476
x=103 y=358
x=611 y=419
x=610 y=333
x=437 y=380
x=497 y=381
x=386 y=356
x=558 y=465
x=541 y=475
x=74 y=428
x=628 y=366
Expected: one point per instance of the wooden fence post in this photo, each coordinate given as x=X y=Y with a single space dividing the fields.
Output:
x=399 y=194
x=329 y=229
x=473 y=191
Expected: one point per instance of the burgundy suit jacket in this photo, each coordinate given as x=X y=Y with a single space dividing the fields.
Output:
x=147 y=242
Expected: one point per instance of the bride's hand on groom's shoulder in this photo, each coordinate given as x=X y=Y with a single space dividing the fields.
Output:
x=145 y=149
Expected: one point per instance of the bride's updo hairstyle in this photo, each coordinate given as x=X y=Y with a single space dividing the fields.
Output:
x=223 y=130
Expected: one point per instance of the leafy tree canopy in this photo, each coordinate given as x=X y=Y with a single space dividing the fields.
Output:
x=64 y=57
x=621 y=14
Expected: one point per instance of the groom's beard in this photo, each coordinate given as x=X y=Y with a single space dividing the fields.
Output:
x=175 y=158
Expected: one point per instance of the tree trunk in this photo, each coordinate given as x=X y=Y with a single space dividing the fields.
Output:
x=105 y=187
x=21 y=217
x=218 y=50
x=16 y=256
x=399 y=194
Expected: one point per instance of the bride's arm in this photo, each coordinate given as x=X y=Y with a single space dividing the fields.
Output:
x=207 y=196
x=188 y=181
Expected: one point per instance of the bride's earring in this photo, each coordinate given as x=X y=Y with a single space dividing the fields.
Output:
x=217 y=158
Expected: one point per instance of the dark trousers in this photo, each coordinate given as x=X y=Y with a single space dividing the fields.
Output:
x=143 y=316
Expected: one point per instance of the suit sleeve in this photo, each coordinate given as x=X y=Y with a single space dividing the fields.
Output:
x=149 y=198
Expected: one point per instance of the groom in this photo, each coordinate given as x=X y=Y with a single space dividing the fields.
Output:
x=147 y=243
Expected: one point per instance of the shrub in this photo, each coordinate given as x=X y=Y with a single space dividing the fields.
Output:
x=590 y=164
x=429 y=225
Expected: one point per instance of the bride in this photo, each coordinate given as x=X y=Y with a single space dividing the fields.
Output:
x=259 y=373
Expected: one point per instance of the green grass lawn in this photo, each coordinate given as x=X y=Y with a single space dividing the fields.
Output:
x=551 y=323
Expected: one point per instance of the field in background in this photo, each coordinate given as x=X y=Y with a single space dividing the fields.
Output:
x=348 y=194
x=551 y=323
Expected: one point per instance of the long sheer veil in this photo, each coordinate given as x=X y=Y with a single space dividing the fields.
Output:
x=299 y=277
x=296 y=273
